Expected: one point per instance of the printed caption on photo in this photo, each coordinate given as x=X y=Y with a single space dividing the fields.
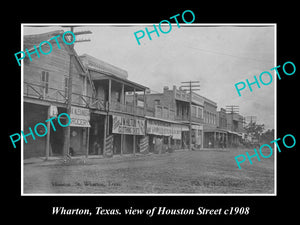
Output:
x=155 y=211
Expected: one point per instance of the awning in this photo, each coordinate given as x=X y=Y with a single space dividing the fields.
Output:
x=217 y=130
x=164 y=128
x=238 y=134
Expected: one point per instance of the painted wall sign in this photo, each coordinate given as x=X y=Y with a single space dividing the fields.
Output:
x=165 y=129
x=128 y=125
x=80 y=117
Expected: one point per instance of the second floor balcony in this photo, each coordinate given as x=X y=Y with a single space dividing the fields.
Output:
x=161 y=112
x=187 y=118
x=126 y=108
x=52 y=94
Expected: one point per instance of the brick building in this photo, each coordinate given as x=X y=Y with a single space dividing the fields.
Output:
x=222 y=126
x=235 y=129
x=172 y=108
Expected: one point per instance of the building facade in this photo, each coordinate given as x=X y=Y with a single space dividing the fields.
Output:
x=235 y=129
x=111 y=114
x=120 y=127
x=45 y=94
x=171 y=111
x=222 y=126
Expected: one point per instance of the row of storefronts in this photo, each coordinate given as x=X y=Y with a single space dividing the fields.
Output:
x=110 y=114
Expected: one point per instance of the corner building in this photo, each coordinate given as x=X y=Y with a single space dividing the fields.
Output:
x=45 y=95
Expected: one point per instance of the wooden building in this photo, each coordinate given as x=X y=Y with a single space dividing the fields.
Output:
x=45 y=88
x=122 y=129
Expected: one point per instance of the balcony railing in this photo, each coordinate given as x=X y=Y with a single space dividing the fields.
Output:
x=187 y=118
x=196 y=119
x=126 y=108
x=180 y=95
x=42 y=92
x=150 y=112
x=182 y=118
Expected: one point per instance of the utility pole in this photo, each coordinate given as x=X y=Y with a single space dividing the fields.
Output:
x=192 y=86
x=70 y=85
x=251 y=118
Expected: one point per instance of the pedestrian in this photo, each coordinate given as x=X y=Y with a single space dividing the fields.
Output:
x=209 y=144
x=96 y=148
x=71 y=151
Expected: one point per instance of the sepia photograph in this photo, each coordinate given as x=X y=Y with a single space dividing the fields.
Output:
x=144 y=109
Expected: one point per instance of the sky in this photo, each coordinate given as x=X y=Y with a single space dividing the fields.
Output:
x=217 y=56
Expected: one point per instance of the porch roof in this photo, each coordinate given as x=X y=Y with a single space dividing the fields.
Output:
x=99 y=75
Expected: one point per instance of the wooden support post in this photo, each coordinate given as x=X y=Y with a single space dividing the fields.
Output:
x=134 y=139
x=190 y=117
x=122 y=143
x=87 y=142
x=48 y=136
x=181 y=140
x=133 y=103
x=226 y=138
x=109 y=94
x=215 y=139
x=122 y=97
x=104 y=133
x=202 y=141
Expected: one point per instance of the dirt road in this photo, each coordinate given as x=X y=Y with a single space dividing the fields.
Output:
x=180 y=172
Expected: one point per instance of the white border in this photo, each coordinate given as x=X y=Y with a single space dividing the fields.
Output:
x=147 y=24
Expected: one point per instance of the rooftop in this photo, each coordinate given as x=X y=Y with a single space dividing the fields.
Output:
x=105 y=71
x=94 y=63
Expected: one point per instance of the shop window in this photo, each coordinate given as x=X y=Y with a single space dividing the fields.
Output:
x=194 y=110
x=200 y=113
x=45 y=81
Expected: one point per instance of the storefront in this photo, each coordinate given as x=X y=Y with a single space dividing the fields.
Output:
x=128 y=133
x=96 y=133
x=79 y=133
x=33 y=114
x=215 y=138
x=164 y=135
x=197 y=136
x=234 y=139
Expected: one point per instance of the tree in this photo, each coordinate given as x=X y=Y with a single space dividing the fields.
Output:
x=267 y=136
x=254 y=130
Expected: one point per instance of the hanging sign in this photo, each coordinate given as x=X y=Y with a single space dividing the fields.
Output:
x=80 y=117
x=197 y=127
x=128 y=125
x=159 y=128
x=176 y=131
x=165 y=129
x=53 y=111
